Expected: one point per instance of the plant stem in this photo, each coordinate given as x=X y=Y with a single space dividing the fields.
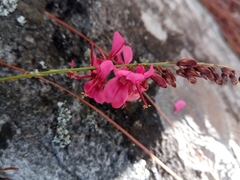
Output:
x=66 y=70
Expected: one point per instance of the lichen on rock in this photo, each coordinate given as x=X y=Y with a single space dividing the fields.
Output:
x=7 y=6
x=64 y=115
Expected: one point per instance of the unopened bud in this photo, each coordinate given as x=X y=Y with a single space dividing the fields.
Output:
x=228 y=71
x=203 y=70
x=167 y=71
x=187 y=63
x=158 y=68
x=169 y=77
x=224 y=77
x=181 y=72
x=159 y=80
x=218 y=80
x=233 y=79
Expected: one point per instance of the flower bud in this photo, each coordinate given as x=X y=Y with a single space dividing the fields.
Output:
x=159 y=80
x=169 y=80
x=228 y=71
x=167 y=71
x=203 y=70
x=224 y=77
x=233 y=79
x=218 y=80
x=187 y=63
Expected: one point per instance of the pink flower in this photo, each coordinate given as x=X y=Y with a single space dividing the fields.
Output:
x=179 y=105
x=127 y=86
x=121 y=54
x=94 y=87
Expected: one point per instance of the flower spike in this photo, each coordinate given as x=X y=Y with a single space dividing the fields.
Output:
x=128 y=82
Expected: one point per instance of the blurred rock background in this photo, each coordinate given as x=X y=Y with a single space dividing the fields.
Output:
x=48 y=134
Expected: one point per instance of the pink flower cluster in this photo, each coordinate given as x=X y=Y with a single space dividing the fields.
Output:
x=128 y=84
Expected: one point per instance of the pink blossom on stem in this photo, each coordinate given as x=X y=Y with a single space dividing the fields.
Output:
x=127 y=86
x=123 y=55
x=94 y=87
x=179 y=105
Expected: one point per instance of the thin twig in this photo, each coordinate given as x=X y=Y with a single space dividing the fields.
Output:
x=8 y=169
x=66 y=70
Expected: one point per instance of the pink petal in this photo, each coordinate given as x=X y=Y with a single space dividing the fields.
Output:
x=134 y=95
x=98 y=95
x=135 y=77
x=87 y=87
x=121 y=72
x=140 y=69
x=111 y=88
x=106 y=67
x=119 y=59
x=120 y=97
x=179 y=105
x=125 y=57
x=149 y=72
x=95 y=92
x=117 y=45
x=116 y=93
x=127 y=54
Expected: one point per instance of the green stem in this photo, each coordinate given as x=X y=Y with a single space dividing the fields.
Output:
x=66 y=70
x=59 y=71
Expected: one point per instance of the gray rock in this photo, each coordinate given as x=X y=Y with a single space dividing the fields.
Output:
x=47 y=142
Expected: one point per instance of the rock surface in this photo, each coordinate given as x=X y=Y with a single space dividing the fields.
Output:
x=33 y=113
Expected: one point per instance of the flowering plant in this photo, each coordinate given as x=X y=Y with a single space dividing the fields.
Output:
x=129 y=83
x=113 y=79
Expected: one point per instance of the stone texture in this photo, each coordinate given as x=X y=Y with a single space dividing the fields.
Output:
x=157 y=31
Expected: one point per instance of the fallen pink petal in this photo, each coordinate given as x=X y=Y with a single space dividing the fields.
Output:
x=180 y=104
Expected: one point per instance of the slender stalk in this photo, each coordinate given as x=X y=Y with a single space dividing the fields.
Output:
x=45 y=73
x=66 y=70
x=8 y=169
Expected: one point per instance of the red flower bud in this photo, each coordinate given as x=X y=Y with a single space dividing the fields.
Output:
x=227 y=71
x=224 y=77
x=187 y=63
x=218 y=80
x=233 y=79
x=159 y=80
